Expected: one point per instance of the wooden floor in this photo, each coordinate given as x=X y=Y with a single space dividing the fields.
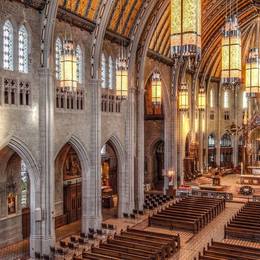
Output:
x=214 y=230
x=191 y=244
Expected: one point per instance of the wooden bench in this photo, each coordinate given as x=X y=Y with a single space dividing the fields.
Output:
x=223 y=251
x=136 y=244
x=245 y=224
x=190 y=213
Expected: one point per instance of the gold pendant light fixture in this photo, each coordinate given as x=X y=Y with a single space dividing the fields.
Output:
x=202 y=99
x=121 y=66
x=121 y=78
x=185 y=28
x=68 y=66
x=68 y=63
x=156 y=89
x=253 y=67
x=183 y=98
x=231 y=51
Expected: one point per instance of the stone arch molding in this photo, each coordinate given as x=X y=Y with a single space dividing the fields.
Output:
x=79 y=147
x=122 y=180
x=24 y=152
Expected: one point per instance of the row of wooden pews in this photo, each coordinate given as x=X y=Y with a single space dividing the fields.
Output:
x=134 y=244
x=189 y=214
x=223 y=251
x=245 y=224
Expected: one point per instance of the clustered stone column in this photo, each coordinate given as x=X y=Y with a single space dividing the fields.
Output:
x=47 y=158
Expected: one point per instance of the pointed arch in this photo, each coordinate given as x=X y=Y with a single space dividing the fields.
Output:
x=122 y=190
x=25 y=154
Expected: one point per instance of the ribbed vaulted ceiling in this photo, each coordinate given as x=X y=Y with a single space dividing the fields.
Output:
x=125 y=13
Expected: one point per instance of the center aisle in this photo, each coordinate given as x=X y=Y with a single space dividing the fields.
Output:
x=214 y=230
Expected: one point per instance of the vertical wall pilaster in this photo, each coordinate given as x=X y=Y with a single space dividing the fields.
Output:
x=91 y=196
x=47 y=88
x=174 y=130
x=201 y=139
x=140 y=149
x=130 y=150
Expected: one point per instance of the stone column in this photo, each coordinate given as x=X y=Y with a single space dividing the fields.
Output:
x=201 y=139
x=174 y=130
x=91 y=195
x=46 y=111
x=140 y=149
x=182 y=138
x=219 y=125
x=235 y=139
x=130 y=151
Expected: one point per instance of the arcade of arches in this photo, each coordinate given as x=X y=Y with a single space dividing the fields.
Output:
x=101 y=118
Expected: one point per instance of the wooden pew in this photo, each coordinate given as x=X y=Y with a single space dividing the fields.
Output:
x=190 y=213
x=245 y=224
x=219 y=250
x=173 y=241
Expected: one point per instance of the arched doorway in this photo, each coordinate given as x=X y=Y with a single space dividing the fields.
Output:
x=212 y=150
x=226 y=151
x=15 y=197
x=109 y=175
x=158 y=161
x=68 y=197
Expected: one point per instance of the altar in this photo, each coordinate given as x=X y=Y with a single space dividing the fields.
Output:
x=250 y=179
x=254 y=170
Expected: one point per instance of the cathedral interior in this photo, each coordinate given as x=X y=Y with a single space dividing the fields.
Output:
x=130 y=129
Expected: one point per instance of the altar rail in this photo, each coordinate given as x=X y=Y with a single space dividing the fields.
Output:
x=256 y=198
x=213 y=194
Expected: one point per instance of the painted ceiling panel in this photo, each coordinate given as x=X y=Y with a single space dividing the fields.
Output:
x=125 y=13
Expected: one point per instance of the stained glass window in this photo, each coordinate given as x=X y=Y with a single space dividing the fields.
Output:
x=23 y=49
x=79 y=64
x=211 y=98
x=103 y=71
x=111 y=72
x=8 y=45
x=226 y=99
x=25 y=184
x=58 y=48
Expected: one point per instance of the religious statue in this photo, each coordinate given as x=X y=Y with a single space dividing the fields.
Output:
x=11 y=204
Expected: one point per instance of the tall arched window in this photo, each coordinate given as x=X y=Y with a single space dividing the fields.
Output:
x=25 y=186
x=58 y=48
x=23 y=50
x=8 y=46
x=103 y=70
x=79 y=64
x=211 y=98
x=244 y=100
x=226 y=99
x=226 y=141
x=111 y=72
x=211 y=140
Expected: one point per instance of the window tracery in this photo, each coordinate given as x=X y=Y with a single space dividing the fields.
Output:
x=8 y=45
x=23 y=53
x=79 y=64
x=58 y=48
